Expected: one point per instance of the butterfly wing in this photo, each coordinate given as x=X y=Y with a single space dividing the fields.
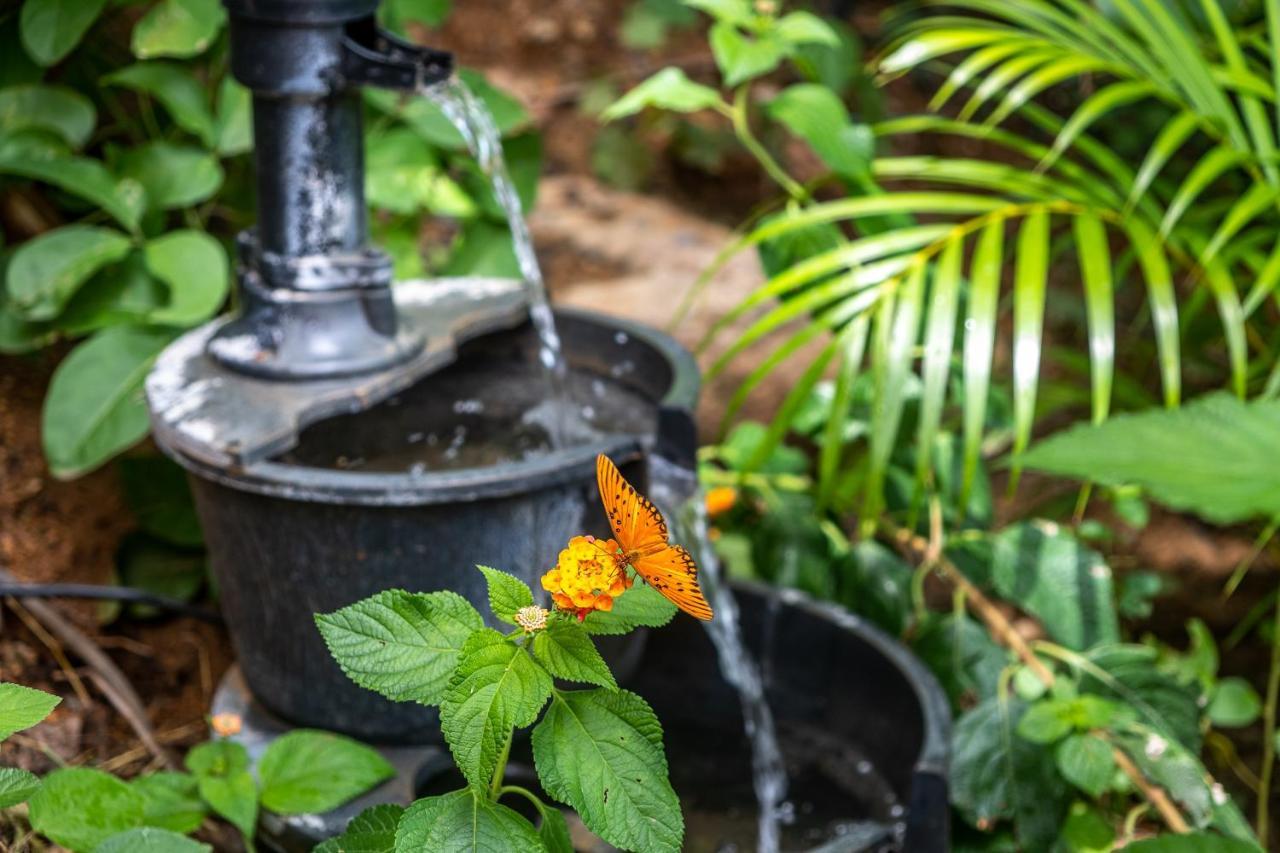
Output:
x=636 y=522
x=673 y=573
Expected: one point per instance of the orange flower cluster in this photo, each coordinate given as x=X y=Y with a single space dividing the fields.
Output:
x=720 y=500
x=587 y=577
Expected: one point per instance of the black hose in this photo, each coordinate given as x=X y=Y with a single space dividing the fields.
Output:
x=99 y=592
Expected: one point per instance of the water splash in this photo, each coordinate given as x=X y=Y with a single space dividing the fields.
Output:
x=677 y=493
x=475 y=123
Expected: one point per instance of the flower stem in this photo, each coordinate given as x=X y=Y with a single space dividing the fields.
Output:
x=500 y=769
x=1268 y=729
x=524 y=792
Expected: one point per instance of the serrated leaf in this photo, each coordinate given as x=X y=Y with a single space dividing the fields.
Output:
x=149 y=839
x=51 y=28
x=554 y=830
x=171 y=801
x=642 y=606
x=669 y=89
x=16 y=786
x=1212 y=456
x=194 y=267
x=46 y=271
x=56 y=109
x=464 y=822
x=221 y=768
x=601 y=752
x=497 y=687
x=566 y=650
x=507 y=594
x=400 y=644
x=179 y=28
x=95 y=407
x=308 y=771
x=80 y=808
x=371 y=831
x=23 y=707
x=176 y=88
x=1086 y=761
x=172 y=175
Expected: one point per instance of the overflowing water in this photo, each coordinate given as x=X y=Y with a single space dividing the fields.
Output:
x=475 y=123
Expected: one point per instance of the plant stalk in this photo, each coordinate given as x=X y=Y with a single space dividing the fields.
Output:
x=1268 y=729
x=500 y=769
x=742 y=127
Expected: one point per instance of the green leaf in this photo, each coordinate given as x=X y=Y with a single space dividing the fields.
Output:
x=734 y=11
x=640 y=606
x=797 y=28
x=566 y=650
x=23 y=707
x=95 y=406
x=400 y=644
x=55 y=109
x=1057 y=579
x=1052 y=719
x=507 y=594
x=1029 y=286
x=179 y=28
x=175 y=87
x=86 y=178
x=172 y=175
x=51 y=28
x=741 y=57
x=1235 y=703
x=80 y=808
x=194 y=267
x=222 y=775
x=496 y=687
x=1127 y=674
x=1192 y=842
x=149 y=839
x=308 y=771
x=16 y=786
x=601 y=752
x=669 y=89
x=1095 y=270
x=371 y=831
x=979 y=343
x=233 y=121
x=1086 y=761
x=464 y=822
x=46 y=271
x=431 y=13
x=171 y=801
x=813 y=112
x=156 y=567
x=962 y=655
x=402 y=175
x=554 y=830
x=1211 y=457
x=1086 y=830
x=159 y=498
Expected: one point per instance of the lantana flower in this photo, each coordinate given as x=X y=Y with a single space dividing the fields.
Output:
x=720 y=500
x=532 y=618
x=587 y=576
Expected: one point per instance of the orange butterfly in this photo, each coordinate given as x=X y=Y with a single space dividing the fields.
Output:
x=641 y=533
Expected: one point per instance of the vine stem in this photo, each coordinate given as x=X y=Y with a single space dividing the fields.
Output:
x=500 y=769
x=1153 y=793
x=1268 y=728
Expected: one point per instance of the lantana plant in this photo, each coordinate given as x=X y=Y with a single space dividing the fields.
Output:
x=598 y=750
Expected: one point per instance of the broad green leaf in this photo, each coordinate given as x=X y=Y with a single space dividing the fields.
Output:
x=1060 y=581
x=16 y=67
x=84 y=177
x=733 y=11
x=741 y=57
x=814 y=113
x=233 y=120
x=1087 y=830
x=834 y=66
x=400 y=644
x=1127 y=674
x=1029 y=285
x=51 y=28
x=601 y=752
x=175 y=87
x=1052 y=719
x=308 y=771
x=962 y=655
x=995 y=774
x=403 y=175
x=171 y=801
x=159 y=499
x=1192 y=842
x=669 y=89
x=23 y=707
x=80 y=808
x=194 y=267
x=120 y=294
x=19 y=336
x=566 y=650
x=553 y=830
x=797 y=28
x=1234 y=704
x=507 y=594
x=16 y=786
x=56 y=109
x=46 y=271
x=431 y=13
x=464 y=822
x=371 y=831
x=1086 y=761
x=149 y=839
x=95 y=407
x=979 y=343
x=640 y=606
x=221 y=768
x=172 y=175
x=179 y=28
x=1211 y=457
x=496 y=687
x=430 y=123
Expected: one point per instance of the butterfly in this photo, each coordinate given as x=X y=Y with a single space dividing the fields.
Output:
x=641 y=534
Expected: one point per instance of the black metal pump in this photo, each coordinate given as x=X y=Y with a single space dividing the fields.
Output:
x=316 y=297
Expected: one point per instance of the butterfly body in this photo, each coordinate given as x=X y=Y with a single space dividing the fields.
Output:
x=641 y=536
